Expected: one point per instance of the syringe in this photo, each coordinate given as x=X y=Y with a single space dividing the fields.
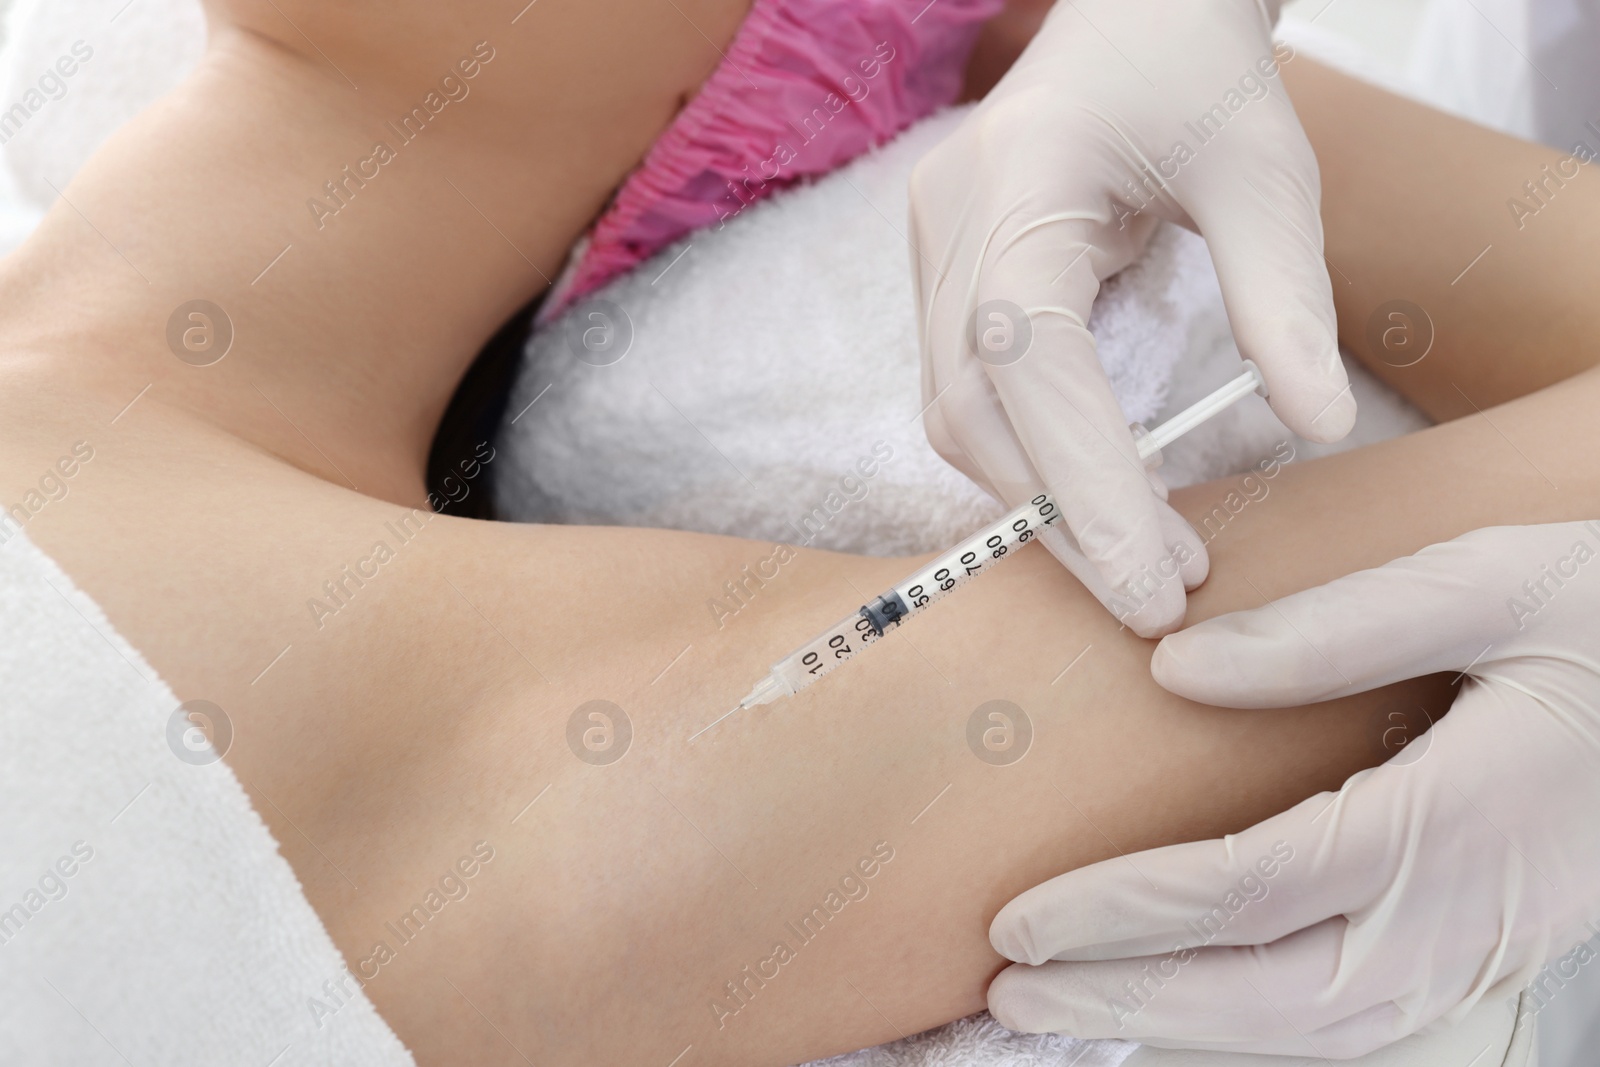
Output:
x=977 y=554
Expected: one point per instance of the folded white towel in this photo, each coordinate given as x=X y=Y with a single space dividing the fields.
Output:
x=979 y=1041
x=755 y=366
x=769 y=358
x=145 y=913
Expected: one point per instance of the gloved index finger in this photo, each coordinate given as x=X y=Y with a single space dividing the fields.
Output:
x=1041 y=280
x=1442 y=609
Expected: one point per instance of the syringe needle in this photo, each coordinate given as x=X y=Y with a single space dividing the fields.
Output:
x=719 y=718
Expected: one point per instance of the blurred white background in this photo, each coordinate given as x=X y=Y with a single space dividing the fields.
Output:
x=1384 y=28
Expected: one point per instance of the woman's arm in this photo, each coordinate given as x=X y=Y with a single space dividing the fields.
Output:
x=1477 y=229
x=430 y=711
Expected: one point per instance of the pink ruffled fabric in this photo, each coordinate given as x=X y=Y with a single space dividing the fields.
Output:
x=806 y=86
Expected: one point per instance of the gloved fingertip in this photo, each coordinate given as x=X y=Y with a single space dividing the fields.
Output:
x=1185 y=547
x=1196 y=569
x=1015 y=1003
x=1172 y=665
x=1150 y=603
x=1012 y=937
x=1155 y=618
x=1308 y=387
x=1204 y=665
x=1334 y=422
x=1154 y=629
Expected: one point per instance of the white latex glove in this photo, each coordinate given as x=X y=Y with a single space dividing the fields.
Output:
x=1451 y=873
x=1053 y=184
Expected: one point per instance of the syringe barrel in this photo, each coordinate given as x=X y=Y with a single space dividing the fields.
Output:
x=971 y=557
x=839 y=642
x=848 y=637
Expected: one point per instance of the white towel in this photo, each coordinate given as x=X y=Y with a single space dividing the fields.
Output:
x=979 y=1041
x=770 y=357
x=145 y=913
x=757 y=365
x=136 y=52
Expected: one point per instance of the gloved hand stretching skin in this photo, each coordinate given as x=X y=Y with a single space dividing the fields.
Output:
x=1452 y=873
x=1119 y=113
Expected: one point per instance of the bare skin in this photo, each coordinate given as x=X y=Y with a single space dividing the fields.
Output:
x=432 y=710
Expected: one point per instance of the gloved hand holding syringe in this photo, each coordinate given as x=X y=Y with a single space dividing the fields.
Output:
x=972 y=557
